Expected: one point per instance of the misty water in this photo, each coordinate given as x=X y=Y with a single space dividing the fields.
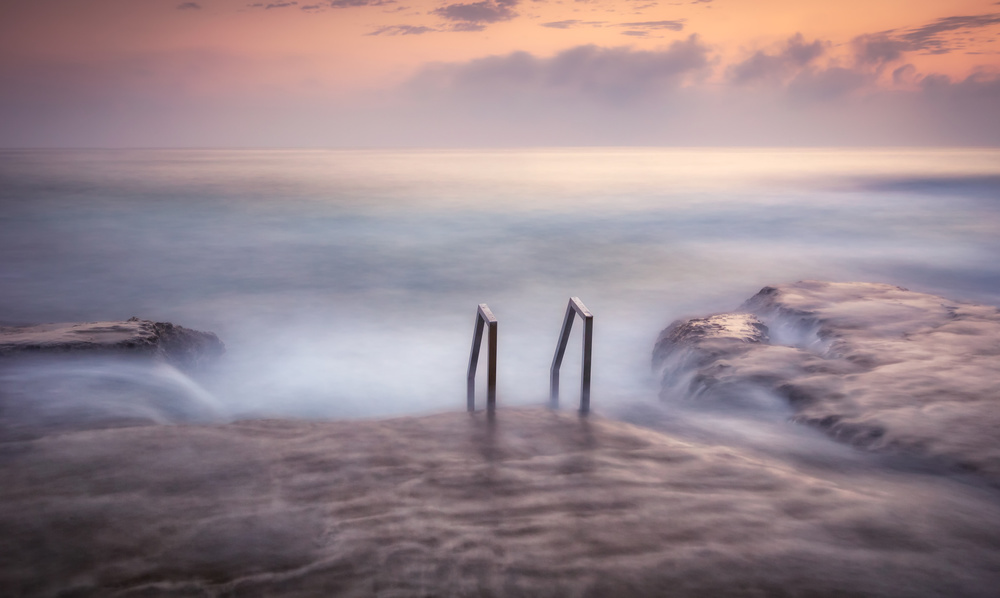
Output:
x=345 y=283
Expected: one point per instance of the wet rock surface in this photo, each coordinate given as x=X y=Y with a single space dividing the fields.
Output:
x=531 y=503
x=874 y=365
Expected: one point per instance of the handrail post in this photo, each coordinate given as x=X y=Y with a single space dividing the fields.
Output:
x=567 y=327
x=588 y=344
x=484 y=319
x=477 y=339
x=574 y=308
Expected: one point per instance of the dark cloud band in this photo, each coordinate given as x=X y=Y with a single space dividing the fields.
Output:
x=888 y=46
x=402 y=30
x=478 y=14
x=671 y=25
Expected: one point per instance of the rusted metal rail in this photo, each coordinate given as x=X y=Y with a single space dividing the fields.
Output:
x=484 y=318
x=573 y=309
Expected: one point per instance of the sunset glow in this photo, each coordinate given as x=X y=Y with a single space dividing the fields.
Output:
x=498 y=72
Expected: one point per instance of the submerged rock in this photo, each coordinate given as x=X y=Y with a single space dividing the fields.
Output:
x=874 y=365
x=530 y=503
x=179 y=346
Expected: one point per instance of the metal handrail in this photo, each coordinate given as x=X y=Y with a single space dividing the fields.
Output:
x=484 y=317
x=575 y=307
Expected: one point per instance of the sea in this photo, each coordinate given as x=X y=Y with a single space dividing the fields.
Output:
x=345 y=283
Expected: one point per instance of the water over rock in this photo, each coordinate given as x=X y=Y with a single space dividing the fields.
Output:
x=874 y=365
x=532 y=502
x=77 y=376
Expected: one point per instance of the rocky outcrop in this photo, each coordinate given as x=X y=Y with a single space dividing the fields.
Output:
x=179 y=346
x=875 y=365
x=693 y=356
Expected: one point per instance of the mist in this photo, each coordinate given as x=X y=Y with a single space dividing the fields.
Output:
x=344 y=283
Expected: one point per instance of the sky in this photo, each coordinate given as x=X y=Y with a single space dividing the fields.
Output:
x=499 y=73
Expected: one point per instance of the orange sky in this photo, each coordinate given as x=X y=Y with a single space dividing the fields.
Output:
x=332 y=46
x=339 y=48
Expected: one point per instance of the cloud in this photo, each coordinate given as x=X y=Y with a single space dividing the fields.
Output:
x=474 y=16
x=590 y=95
x=562 y=24
x=188 y=6
x=356 y=3
x=879 y=48
x=978 y=85
x=794 y=56
x=904 y=74
x=571 y=23
x=792 y=69
x=468 y=27
x=273 y=5
x=962 y=110
x=587 y=95
x=589 y=73
x=928 y=37
x=888 y=46
x=402 y=30
x=671 y=25
x=827 y=84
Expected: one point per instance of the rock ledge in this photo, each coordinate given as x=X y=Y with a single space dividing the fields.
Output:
x=179 y=346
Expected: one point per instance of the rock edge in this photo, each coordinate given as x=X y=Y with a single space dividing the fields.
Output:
x=182 y=347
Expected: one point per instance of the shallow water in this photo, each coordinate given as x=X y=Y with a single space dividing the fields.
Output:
x=344 y=283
